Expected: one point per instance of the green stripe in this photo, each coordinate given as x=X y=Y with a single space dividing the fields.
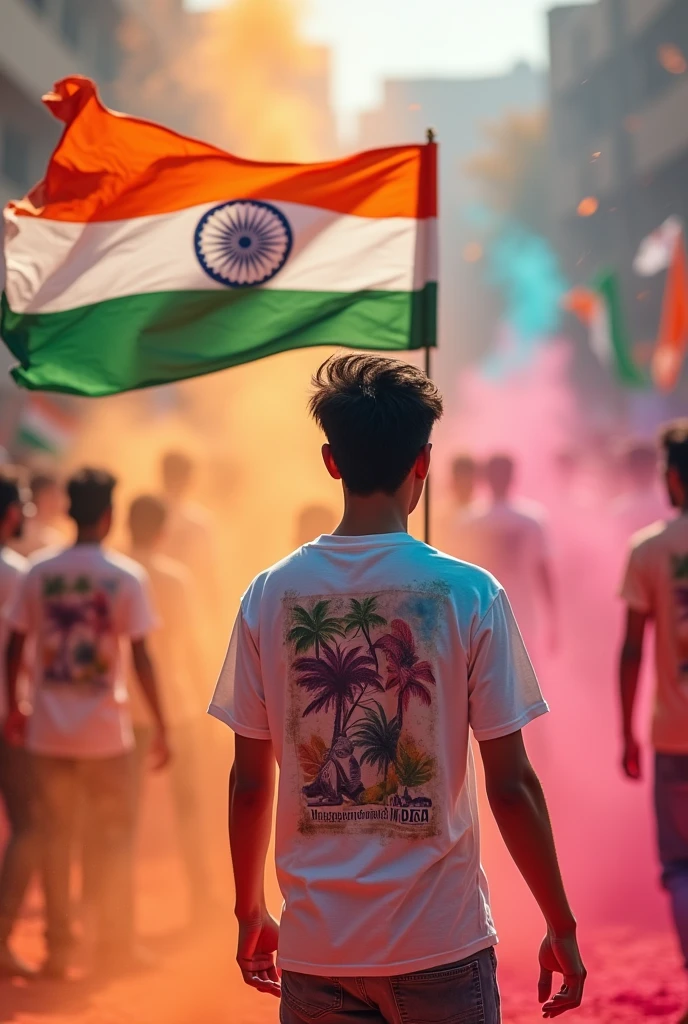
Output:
x=142 y=340
x=627 y=372
x=33 y=439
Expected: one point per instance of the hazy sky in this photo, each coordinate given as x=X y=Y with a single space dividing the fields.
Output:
x=374 y=39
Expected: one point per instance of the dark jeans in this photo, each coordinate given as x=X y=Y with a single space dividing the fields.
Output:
x=20 y=859
x=671 y=805
x=104 y=788
x=461 y=993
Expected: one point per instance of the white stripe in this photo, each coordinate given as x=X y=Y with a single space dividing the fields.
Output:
x=43 y=426
x=57 y=265
x=600 y=333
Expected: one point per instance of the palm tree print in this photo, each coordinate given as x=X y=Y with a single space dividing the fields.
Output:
x=405 y=673
x=378 y=737
x=363 y=618
x=314 y=629
x=63 y=617
x=336 y=678
x=414 y=768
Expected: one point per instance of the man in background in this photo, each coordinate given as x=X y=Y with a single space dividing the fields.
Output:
x=641 y=503
x=656 y=588
x=511 y=543
x=189 y=539
x=314 y=521
x=40 y=529
x=17 y=789
x=457 y=531
x=182 y=677
x=76 y=608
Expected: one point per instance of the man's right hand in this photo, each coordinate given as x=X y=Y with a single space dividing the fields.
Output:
x=14 y=729
x=560 y=955
x=631 y=759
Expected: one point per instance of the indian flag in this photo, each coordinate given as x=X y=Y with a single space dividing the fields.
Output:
x=599 y=308
x=45 y=425
x=145 y=257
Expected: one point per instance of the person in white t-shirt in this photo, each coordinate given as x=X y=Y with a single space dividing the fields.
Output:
x=17 y=789
x=456 y=524
x=180 y=665
x=40 y=529
x=656 y=588
x=511 y=542
x=78 y=607
x=359 y=664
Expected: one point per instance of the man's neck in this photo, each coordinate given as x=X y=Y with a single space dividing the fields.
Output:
x=86 y=536
x=364 y=517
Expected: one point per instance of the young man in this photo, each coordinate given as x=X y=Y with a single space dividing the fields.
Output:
x=656 y=587
x=17 y=789
x=456 y=528
x=511 y=543
x=179 y=661
x=359 y=664
x=40 y=530
x=77 y=607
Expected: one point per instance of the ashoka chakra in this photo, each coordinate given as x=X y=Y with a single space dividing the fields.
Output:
x=243 y=243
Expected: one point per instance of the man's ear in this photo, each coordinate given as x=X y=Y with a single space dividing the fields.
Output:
x=422 y=467
x=330 y=464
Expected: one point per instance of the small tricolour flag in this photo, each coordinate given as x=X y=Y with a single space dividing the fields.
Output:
x=146 y=257
x=599 y=308
x=656 y=251
x=44 y=425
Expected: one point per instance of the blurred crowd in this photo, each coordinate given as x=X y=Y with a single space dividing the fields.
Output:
x=109 y=658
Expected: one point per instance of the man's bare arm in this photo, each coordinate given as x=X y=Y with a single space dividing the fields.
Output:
x=629 y=673
x=251 y=796
x=16 y=721
x=145 y=674
x=520 y=810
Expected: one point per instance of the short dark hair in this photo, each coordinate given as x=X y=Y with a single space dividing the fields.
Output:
x=177 y=467
x=499 y=472
x=464 y=465
x=147 y=515
x=42 y=482
x=10 y=492
x=377 y=415
x=674 y=443
x=90 y=495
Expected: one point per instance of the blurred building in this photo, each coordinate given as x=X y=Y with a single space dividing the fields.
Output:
x=619 y=117
x=458 y=109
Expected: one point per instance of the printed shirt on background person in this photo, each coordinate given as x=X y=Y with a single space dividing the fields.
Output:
x=364 y=660
x=511 y=543
x=12 y=569
x=174 y=646
x=656 y=584
x=79 y=606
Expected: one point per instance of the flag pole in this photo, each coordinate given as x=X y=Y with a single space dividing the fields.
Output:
x=430 y=138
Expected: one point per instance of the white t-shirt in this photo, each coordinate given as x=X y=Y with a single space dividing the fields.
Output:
x=656 y=584
x=78 y=606
x=364 y=660
x=510 y=542
x=174 y=646
x=12 y=568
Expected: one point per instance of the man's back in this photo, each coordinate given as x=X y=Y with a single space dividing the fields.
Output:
x=174 y=644
x=656 y=584
x=364 y=659
x=79 y=605
x=510 y=542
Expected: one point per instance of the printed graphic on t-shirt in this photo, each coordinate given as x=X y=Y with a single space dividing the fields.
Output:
x=363 y=693
x=79 y=644
x=679 y=576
